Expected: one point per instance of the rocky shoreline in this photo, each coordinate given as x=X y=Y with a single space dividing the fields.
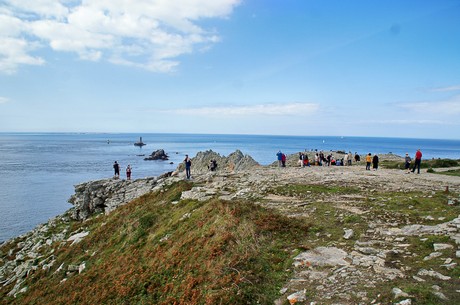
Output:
x=379 y=247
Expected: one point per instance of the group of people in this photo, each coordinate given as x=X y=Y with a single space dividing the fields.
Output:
x=322 y=160
x=116 y=168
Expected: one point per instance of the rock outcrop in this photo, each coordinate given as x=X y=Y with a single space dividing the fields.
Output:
x=108 y=194
x=236 y=161
x=158 y=155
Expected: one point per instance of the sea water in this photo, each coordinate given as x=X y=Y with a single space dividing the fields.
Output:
x=38 y=171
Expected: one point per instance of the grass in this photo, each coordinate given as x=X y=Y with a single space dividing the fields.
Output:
x=307 y=190
x=450 y=172
x=434 y=163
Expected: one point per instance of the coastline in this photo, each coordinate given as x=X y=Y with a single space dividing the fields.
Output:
x=34 y=164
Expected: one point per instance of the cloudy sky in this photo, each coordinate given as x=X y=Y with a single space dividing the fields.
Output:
x=290 y=67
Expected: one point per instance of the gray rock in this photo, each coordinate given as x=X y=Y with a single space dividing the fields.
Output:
x=438 y=247
x=348 y=233
x=434 y=274
x=399 y=293
x=322 y=256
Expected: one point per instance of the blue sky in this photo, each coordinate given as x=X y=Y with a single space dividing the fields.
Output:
x=290 y=67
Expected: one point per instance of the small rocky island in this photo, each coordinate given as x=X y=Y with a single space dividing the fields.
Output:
x=140 y=143
x=158 y=155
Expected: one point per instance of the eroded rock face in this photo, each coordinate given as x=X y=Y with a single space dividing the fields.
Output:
x=106 y=195
x=236 y=161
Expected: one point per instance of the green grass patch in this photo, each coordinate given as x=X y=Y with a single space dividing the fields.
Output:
x=434 y=163
x=415 y=206
x=450 y=172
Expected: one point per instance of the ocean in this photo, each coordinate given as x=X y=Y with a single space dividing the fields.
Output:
x=38 y=171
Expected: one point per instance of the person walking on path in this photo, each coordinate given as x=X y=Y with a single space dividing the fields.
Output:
x=279 y=155
x=283 y=160
x=418 y=161
x=116 y=168
x=368 y=161
x=345 y=160
x=375 y=162
x=188 y=165
x=128 y=172
x=407 y=161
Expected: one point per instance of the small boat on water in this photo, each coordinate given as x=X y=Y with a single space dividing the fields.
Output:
x=140 y=143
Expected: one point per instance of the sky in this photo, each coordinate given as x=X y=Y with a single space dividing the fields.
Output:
x=277 y=67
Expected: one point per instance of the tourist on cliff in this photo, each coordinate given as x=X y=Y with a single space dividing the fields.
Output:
x=350 y=157
x=375 y=162
x=188 y=165
x=212 y=165
x=279 y=155
x=418 y=161
x=345 y=159
x=116 y=168
x=283 y=160
x=128 y=172
x=306 y=162
x=301 y=157
x=368 y=161
x=357 y=157
x=407 y=161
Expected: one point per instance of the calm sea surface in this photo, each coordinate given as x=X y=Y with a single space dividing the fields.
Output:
x=38 y=170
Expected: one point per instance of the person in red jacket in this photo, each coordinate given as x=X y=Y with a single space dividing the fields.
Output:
x=418 y=160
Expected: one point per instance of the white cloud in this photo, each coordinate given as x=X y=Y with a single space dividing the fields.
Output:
x=447 y=107
x=149 y=34
x=410 y=122
x=4 y=100
x=446 y=89
x=14 y=52
x=251 y=110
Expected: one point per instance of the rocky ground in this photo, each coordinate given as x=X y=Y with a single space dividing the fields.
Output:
x=363 y=245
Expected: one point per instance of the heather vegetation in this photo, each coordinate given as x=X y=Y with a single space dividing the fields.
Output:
x=152 y=251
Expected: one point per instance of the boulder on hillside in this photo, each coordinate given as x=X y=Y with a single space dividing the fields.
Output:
x=158 y=155
x=236 y=161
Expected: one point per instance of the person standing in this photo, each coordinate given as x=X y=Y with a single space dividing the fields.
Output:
x=350 y=157
x=128 y=172
x=368 y=161
x=188 y=165
x=375 y=162
x=116 y=168
x=418 y=161
x=407 y=161
x=283 y=160
x=279 y=155
x=357 y=157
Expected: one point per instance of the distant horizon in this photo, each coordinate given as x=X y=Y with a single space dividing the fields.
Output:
x=140 y=134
